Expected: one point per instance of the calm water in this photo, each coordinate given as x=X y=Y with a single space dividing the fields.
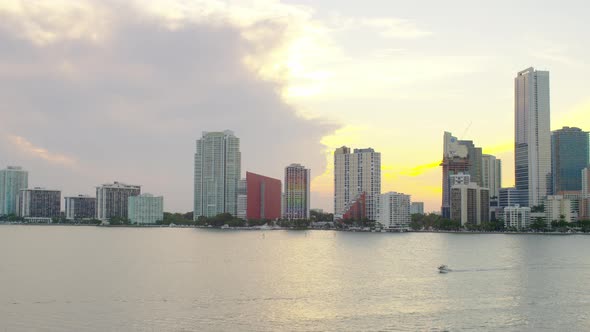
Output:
x=125 y=279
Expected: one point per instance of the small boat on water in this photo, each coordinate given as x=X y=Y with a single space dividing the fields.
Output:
x=444 y=269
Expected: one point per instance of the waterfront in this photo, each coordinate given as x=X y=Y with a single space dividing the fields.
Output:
x=174 y=279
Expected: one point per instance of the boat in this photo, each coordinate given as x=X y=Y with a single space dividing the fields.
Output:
x=444 y=269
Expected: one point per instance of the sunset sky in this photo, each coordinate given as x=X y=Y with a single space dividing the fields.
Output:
x=99 y=91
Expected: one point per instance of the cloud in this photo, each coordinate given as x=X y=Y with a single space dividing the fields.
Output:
x=386 y=26
x=24 y=146
x=129 y=105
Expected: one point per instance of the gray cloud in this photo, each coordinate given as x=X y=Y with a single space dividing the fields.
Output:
x=130 y=106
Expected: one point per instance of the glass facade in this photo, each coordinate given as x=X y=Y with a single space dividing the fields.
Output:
x=569 y=156
x=532 y=149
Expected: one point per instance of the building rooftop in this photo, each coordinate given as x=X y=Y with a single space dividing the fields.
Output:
x=117 y=184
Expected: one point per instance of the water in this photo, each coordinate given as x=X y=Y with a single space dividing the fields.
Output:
x=125 y=279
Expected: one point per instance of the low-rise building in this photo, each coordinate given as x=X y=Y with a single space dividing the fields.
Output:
x=517 y=217
x=145 y=209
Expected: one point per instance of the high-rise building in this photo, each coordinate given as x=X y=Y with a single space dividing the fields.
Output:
x=81 y=207
x=569 y=156
x=532 y=146
x=297 y=192
x=517 y=217
x=217 y=172
x=584 y=208
x=357 y=174
x=417 y=208
x=470 y=203
x=491 y=174
x=459 y=157
x=510 y=197
x=12 y=180
x=585 y=177
x=39 y=204
x=264 y=197
x=145 y=209
x=394 y=212
x=242 y=199
x=112 y=200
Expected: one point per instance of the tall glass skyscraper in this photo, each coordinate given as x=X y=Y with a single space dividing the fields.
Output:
x=217 y=172
x=569 y=156
x=12 y=180
x=532 y=141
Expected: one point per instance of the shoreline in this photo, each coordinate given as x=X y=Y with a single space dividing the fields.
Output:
x=258 y=228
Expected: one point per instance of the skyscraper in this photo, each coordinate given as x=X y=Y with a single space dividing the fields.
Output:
x=297 y=192
x=532 y=144
x=217 y=172
x=112 y=200
x=356 y=174
x=491 y=174
x=459 y=157
x=12 y=180
x=569 y=156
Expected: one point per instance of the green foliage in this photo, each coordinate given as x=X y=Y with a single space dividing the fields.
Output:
x=116 y=221
x=296 y=224
x=560 y=225
x=11 y=218
x=583 y=225
x=318 y=216
x=539 y=225
x=177 y=219
x=220 y=220
x=449 y=225
x=538 y=208
x=258 y=222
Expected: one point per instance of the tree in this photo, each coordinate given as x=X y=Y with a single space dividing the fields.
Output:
x=539 y=225
x=177 y=219
x=118 y=221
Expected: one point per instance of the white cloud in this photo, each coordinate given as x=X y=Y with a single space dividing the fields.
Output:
x=22 y=145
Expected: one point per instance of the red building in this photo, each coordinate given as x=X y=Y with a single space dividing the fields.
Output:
x=264 y=197
x=357 y=210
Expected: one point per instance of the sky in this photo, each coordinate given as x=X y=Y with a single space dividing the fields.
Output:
x=98 y=91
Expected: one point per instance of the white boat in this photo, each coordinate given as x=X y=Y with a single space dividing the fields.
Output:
x=444 y=269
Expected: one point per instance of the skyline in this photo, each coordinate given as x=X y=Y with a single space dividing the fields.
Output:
x=90 y=100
